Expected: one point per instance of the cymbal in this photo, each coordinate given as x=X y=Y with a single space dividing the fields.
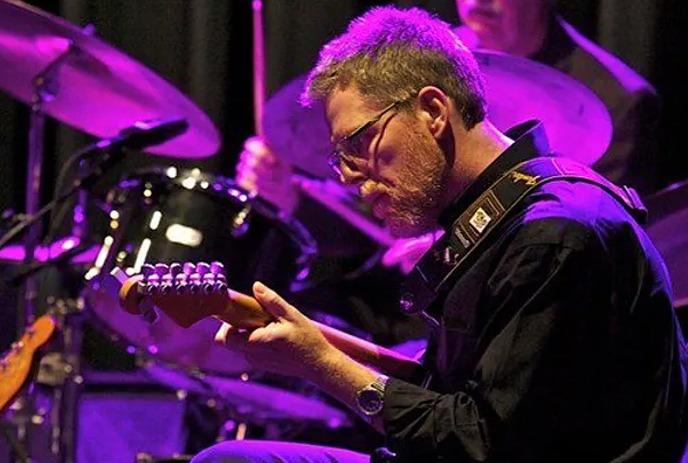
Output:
x=517 y=89
x=98 y=90
x=577 y=123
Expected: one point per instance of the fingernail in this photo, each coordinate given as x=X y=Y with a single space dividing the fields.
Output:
x=259 y=287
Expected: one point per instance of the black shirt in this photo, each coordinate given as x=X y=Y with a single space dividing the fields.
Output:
x=559 y=344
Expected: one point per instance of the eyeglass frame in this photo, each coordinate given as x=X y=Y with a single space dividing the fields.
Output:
x=337 y=155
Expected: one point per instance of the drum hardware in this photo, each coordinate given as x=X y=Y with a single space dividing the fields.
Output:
x=60 y=374
x=265 y=406
x=110 y=153
x=45 y=86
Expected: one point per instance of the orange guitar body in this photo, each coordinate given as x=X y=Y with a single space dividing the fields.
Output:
x=15 y=366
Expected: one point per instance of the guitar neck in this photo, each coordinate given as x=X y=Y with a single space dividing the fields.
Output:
x=245 y=312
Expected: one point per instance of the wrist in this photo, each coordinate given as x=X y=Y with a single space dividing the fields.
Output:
x=327 y=361
x=370 y=399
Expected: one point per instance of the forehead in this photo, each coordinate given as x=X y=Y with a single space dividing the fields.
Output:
x=346 y=109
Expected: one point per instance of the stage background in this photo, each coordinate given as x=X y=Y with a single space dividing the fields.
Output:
x=203 y=47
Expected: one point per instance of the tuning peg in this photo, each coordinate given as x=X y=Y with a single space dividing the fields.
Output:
x=220 y=287
x=180 y=284
x=161 y=268
x=193 y=288
x=152 y=283
x=217 y=268
x=166 y=284
x=188 y=268
x=208 y=282
x=147 y=270
x=175 y=268
x=202 y=268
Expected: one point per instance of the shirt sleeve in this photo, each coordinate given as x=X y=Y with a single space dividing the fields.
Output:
x=529 y=297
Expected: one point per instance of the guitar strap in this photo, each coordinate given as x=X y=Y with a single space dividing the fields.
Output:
x=471 y=233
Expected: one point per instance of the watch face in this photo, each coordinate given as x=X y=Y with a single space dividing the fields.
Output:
x=370 y=401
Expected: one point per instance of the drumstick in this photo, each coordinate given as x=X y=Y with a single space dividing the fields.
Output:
x=258 y=93
x=258 y=66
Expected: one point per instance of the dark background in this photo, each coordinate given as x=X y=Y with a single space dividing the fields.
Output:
x=203 y=47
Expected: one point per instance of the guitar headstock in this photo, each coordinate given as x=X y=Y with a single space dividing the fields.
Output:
x=185 y=292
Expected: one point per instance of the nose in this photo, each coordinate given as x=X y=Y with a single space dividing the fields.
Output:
x=351 y=176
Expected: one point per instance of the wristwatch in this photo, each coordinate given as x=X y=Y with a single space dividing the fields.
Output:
x=371 y=398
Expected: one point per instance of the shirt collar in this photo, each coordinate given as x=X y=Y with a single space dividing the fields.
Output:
x=530 y=141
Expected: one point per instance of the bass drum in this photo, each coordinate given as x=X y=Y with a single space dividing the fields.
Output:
x=171 y=215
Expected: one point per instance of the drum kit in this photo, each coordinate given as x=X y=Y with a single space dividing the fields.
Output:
x=76 y=78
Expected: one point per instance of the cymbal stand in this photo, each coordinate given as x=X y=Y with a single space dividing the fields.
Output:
x=45 y=89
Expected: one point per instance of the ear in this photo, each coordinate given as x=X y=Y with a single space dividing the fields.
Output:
x=434 y=106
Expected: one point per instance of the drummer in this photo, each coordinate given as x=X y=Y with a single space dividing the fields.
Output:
x=532 y=29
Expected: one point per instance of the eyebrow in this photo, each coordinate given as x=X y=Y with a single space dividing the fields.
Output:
x=334 y=140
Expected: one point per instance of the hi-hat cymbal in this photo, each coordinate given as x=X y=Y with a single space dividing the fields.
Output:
x=517 y=89
x=98 y=89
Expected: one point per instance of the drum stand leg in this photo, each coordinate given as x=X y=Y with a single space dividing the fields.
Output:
x=16 y=446
x=61 y=372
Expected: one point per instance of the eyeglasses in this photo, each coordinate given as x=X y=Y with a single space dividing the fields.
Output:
x=349 y=146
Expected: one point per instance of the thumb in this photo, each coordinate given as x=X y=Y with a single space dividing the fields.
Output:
x=273 y=303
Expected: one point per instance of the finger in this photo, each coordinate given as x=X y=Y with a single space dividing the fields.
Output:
x=273 y=303
x=225 y=330
x=231 y=337
x=255 y=142
x=257 y=146
x=247 y=181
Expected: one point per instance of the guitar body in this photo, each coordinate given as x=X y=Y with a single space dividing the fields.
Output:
x=15 y=366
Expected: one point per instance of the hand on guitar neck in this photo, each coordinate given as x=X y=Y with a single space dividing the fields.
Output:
x=188 y=293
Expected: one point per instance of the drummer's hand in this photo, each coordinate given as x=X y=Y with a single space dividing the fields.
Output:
x=406 y=252
x=260 y=170
x=290 y=345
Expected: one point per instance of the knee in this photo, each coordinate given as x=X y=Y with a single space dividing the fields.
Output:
x=226 y=452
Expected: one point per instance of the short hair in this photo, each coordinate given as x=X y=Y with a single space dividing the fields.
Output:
x=389 y=54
